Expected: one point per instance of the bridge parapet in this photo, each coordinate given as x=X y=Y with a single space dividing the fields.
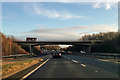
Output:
x=81 y=43
x=87 y=42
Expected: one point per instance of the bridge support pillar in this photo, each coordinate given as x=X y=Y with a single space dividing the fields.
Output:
x=87 y=49
x=31 y=50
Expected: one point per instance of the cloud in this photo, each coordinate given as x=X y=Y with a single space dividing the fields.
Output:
x=67 y=33
x=41 y=10
x=51 y=36
x=97 y=5
x=104 y=28
x=106 y=5
x=44 y=11
x=94 y=28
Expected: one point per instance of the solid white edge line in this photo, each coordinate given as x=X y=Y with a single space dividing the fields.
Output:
x=117 y=62
x=34 y=69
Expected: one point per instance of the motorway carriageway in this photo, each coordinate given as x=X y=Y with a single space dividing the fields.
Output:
x=71 y=66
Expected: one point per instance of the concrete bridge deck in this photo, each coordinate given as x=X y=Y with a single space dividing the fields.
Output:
x=85 y=44
x=57 y=42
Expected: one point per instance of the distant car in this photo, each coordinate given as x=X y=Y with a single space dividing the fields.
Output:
x=82 y=52
x=56 y=54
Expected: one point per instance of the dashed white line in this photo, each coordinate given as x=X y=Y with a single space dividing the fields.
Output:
x=68 y=58
x=72 y=59
x=64 y=56
x=34 y=69
x=75 y=61
x=83 y=65
x=96 y=71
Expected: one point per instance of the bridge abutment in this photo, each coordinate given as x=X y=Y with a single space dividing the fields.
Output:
x=86 y=48
x=31 y=49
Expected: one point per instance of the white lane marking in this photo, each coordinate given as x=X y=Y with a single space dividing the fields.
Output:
x=72 y=59
x=103 y=60
x=64 y=56
x=83 y=65
x=68 y=58
x=96 y=71
x=117 y=62
x=35 y=69
x=75 y=61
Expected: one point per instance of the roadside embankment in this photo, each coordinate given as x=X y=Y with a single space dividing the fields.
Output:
x=10 y=68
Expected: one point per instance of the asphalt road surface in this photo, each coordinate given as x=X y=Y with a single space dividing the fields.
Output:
x=70 y=66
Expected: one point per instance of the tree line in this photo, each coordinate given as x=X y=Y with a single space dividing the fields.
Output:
x=8 y=47
x=111 y=42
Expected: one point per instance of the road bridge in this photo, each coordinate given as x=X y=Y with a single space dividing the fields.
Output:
x=85 y=44
x=34 y=43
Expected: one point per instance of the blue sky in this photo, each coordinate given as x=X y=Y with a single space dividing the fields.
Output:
x=58 y=20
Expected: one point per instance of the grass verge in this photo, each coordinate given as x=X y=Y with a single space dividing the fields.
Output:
x=8 y=69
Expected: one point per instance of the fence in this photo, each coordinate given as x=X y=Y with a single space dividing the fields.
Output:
x=100 y=55
x=14 y=56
